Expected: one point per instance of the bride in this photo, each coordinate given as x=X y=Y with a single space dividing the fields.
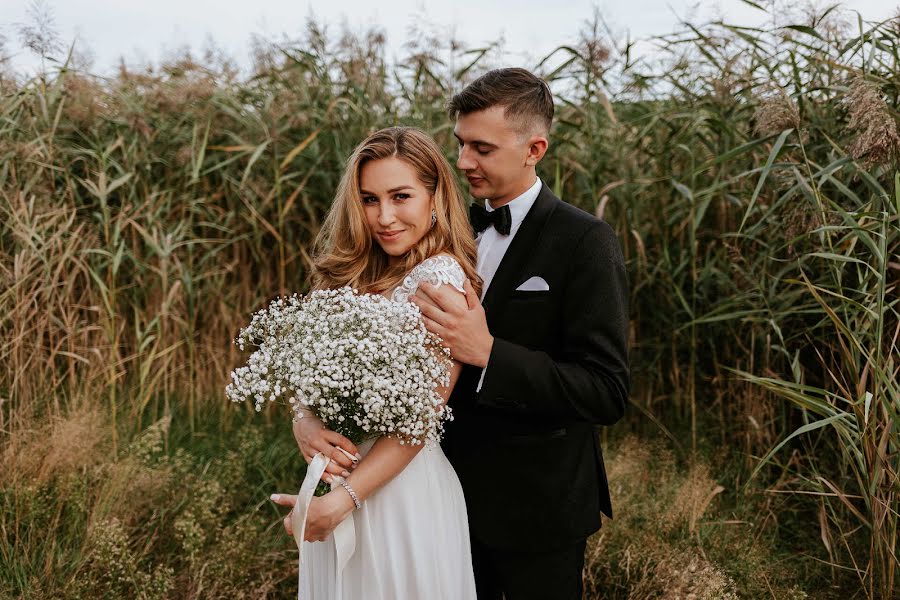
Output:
x=398 y=219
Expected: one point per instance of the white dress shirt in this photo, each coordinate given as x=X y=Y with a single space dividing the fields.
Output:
x=492 y=245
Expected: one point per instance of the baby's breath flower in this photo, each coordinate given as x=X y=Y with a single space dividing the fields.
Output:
x=365 y=365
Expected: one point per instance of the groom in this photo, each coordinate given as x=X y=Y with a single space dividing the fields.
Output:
x=545 y=350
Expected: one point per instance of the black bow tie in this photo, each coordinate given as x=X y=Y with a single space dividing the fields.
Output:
x=481 y=219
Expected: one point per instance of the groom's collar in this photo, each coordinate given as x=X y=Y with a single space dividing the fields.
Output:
x=520 y=205
x=522 y=246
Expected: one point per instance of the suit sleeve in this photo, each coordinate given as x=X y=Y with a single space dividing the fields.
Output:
x=588 y=380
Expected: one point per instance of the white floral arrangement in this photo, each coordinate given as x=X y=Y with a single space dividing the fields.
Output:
x=363 y=364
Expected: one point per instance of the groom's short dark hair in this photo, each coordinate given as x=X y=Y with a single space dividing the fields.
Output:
x=525 y=97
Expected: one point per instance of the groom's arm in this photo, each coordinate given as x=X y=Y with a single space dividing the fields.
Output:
x=588 y=378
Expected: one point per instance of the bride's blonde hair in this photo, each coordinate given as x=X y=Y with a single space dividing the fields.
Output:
x=344 y=251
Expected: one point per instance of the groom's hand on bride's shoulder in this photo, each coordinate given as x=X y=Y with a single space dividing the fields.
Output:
x=459 y=320
x=312 y=437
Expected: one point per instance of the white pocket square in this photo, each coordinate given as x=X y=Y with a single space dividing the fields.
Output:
x=535 y=284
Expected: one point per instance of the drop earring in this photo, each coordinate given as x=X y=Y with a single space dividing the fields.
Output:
x=433 y=217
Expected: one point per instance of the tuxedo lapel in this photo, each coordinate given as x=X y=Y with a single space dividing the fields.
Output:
x=522 y=245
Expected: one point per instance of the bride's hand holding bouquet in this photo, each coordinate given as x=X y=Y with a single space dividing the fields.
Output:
x=362 y=364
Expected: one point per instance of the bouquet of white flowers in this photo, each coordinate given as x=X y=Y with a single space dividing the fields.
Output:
x=365 y=365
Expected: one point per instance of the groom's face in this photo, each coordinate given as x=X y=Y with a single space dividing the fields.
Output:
x=493 y=154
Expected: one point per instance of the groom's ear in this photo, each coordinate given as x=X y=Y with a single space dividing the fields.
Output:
x=537 y=148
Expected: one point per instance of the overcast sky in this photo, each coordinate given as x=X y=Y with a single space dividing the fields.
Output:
x=145 y=31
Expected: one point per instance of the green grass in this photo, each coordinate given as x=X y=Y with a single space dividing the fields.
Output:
x=187 y=515
x=174 y=514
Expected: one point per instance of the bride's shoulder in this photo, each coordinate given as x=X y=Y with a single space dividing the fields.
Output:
x=443 y=264
x=440 y=269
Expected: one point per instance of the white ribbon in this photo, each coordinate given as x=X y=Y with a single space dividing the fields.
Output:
x=344 y=534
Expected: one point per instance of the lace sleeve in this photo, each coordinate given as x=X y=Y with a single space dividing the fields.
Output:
x=436 y=270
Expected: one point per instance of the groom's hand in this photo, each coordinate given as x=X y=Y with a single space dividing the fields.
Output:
x=463 y=328
x=312 y=438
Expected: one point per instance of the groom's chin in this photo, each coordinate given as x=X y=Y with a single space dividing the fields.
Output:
x=478 y=189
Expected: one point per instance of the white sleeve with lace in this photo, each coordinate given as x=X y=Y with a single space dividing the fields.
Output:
x=437 y=270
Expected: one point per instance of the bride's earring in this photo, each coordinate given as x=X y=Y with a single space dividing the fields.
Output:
x=433 y=217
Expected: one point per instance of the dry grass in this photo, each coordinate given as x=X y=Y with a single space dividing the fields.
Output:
x=80 y=522
x=672 y=538
x=871 y=122
x=775 y=112
x=59 y=448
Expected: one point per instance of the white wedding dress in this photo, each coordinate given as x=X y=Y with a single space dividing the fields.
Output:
x=412 y=535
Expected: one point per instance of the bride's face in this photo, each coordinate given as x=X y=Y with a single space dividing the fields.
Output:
x=397 y=205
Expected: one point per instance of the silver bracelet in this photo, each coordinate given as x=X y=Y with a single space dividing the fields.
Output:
x=352 y=493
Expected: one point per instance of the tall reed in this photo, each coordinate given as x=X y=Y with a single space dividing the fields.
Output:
x=751 y=175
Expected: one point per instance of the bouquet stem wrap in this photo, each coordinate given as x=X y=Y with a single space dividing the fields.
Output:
x=344 y=534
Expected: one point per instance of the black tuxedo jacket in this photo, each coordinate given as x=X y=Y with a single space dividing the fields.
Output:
x=525 y=447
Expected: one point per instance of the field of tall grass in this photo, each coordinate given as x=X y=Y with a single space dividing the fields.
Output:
x=752 y=177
